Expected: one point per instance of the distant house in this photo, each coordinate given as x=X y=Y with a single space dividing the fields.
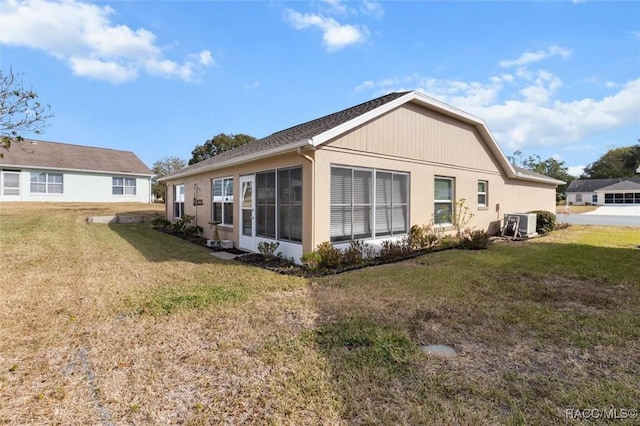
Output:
x=49 y=171
x=602 y=192
x=365 y=173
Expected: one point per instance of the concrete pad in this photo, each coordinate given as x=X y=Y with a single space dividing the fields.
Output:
x=439 y=350
x=616 y=210
x=223 y=255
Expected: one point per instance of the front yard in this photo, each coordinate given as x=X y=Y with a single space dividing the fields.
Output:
x=121 y=324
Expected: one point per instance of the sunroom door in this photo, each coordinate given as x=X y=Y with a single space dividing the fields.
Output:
x=247 y=238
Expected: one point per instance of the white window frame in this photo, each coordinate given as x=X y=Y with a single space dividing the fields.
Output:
x=125 y=184
x=449 y=202
x=372 y=205
x=178 y=201
x=483 y=194
x=277 y=203
x=224 y=199
x=48 y=183
x=6 y=173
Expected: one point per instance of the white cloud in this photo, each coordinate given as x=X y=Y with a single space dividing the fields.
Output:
x=575 y=170
x=531 y=57
x=83 y=36
x=372 y=8
x=335 y=35
x=523 y=110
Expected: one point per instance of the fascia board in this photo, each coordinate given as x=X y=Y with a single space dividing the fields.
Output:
x=243 y=159
x=64 y=169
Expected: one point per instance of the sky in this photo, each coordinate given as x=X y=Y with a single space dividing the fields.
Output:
x=555 y=79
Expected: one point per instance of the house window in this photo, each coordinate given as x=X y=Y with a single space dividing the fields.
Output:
x=608 y=198
x=178 y=201
x=363 y=197
x=578 y=198
x=46 y=183
x=482 y=193
x=10 y=183
x=123 y=186
x=222 y=198
x=279 y=204
x=443 y=203
x=594 y=198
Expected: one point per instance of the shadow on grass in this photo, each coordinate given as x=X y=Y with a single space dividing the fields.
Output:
x=533 y=325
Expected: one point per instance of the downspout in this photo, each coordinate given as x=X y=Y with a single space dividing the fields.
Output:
x=313 y=196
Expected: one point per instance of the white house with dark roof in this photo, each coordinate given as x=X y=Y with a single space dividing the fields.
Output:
x=366 y=173
x=602 y=192
x=50 y=171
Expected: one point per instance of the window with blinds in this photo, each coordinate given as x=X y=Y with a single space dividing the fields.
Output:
x=363 y=197
x=222 y=199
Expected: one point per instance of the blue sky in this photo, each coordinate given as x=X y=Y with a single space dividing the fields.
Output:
x=552 y=78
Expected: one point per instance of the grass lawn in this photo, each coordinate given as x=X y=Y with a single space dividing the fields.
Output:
x=121 y=324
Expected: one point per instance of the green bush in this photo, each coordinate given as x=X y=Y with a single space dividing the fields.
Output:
x=160 y=222
x=330 y=256
x=268 y=249
x=181 y=224
x=311 y=261
x=353 y=255
x=474 y=240
x=192 y=231
x=545 y=221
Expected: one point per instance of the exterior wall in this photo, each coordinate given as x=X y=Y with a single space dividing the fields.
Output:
x=587 y=198
x=205 y=214
x=426 y=145
x=81 y=187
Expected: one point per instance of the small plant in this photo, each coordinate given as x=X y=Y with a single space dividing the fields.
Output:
x=330 y=256
x=447 y=241
x=311 y=261
x=422 y=237
x=268 y=249
x=182 y=223
x=462 y=216
x=192 y=231
x=393 y=250
x=354 y=254
x=545 y=221
x=474 y=240
x=160 y=222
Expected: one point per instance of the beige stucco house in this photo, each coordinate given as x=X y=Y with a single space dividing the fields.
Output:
x=368 y=172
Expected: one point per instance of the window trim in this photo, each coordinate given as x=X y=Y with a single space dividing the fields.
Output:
x=372 y=205
x=484 y=193
x=225 y=200
x=4 y=182
x=178 y=203
x=124 y=186
x=443 y=201
x=47 y=183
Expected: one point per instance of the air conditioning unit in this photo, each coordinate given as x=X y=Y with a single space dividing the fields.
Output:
x=228 y=244
x=525 y=223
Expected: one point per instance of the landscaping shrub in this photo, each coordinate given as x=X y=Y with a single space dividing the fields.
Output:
x=181 y=224
x=268 y=249
x=311 y=261
x=330 y=256
x=545 y=221
x=160 y=221
x=474 y=240
x=354 y=254
x=192 y=231
x=392 y=250
x=422 y=237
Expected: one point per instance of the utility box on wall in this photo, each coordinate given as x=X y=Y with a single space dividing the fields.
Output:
x=526 y=224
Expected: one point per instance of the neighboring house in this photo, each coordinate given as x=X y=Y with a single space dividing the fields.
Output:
x=51 y=171
x=602 y=192
x=367 y=173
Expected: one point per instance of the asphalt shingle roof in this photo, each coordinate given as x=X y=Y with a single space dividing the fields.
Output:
x=592 y=185
x=43 y=154
x=296 y=133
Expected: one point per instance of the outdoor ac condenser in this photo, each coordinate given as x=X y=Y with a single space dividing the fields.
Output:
x=527 y=223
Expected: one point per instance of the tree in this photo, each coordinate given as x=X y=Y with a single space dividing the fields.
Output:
x=162 y=168
x=20 y=110
x=549 y=167
x=217 y=145
x=615 y=163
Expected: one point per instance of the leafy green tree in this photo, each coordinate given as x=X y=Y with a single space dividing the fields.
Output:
x=20 y=110
x=549 y=167
x=162 y=168
x=217 y=145
x=615 y=163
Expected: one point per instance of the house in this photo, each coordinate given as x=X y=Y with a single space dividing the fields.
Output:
x=34 y=170
x=602 y=192
x=368 y=172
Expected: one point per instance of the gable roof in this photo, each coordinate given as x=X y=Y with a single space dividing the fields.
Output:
x=37 y=154
x=626 y=185
x=316 y=132
x=593 y=185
